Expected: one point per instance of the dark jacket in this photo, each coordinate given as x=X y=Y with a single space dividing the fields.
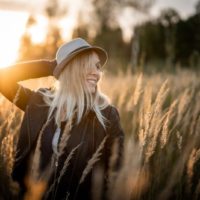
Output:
x=89 y=130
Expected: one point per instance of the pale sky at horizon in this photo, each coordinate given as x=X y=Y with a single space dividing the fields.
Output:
x=184 y=7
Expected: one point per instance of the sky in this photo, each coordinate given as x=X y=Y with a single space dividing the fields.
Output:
x=14 y=14
x=184 y=7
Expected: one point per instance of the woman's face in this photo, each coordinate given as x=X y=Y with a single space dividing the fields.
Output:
x=93 y=75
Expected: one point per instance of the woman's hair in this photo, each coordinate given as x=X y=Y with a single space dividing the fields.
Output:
x=70 y=93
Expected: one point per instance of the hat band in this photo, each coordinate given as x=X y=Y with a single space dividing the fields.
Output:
x=83 y=47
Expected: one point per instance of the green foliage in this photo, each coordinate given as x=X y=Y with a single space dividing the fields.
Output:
x=152 y=41
x=170 y=39
x=187 y=45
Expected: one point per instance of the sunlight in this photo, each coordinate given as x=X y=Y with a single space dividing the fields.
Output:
x=70 y=22
x=39 y=30
x=15 y=26
x=12 y=27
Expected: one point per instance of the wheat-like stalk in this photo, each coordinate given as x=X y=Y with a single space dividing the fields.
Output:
x=35 y=171
x=112 y=172
x=7 y=145
x=66 y=135
x=129 y=173
x=195 y=116
x=190 y=165
x=147 y=99
x=177 y=170
x=153 y=119
x=150 y=149
x=63 y=170
x=168 y=134
x=157 y=105
x=145 y=116
x=93 y=160
x=61 y=149
x=183 y=104
x=122 y=97
x=179 y=140
x=66 y=163
x=193 y=158
x=165 y=129
x=17 y=95
x=141 y=136
x=137 y=92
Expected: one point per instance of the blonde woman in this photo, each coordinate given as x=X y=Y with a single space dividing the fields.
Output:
x=65 y=125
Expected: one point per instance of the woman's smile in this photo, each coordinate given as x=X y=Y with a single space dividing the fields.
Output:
x=74 y=107
x=92 y=83
x=94 y=75
x=92 y=80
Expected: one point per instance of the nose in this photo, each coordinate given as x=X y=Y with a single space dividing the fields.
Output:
x=96 y=72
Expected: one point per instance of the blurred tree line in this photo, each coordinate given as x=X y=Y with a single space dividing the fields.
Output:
x=170 y=39
x=47 y=49
x=167 y=40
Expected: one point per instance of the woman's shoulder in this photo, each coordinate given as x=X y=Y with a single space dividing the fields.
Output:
x=111 y=112
x=113 y=121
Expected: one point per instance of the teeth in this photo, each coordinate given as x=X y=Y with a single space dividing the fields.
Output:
x=92 y=81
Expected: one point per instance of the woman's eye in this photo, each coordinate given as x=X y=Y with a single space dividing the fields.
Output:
x=98 y=66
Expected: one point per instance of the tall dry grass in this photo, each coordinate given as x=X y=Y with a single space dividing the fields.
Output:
x=160 y=115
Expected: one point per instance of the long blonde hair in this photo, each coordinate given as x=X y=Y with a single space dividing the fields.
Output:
x=71 y=95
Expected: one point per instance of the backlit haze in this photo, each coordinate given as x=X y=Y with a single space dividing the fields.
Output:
x=13 y=20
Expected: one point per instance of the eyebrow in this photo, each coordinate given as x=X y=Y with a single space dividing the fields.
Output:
x=98 y=62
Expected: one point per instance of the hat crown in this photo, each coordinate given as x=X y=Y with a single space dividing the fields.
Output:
x=66 y=49
x=69 y=50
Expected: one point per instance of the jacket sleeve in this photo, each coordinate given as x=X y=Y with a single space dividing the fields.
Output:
x=116 y=136
x=10 y=76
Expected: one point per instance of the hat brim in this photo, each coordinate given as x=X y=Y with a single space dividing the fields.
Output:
x=103 y=56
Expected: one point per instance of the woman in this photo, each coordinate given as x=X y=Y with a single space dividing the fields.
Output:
x=65 y=125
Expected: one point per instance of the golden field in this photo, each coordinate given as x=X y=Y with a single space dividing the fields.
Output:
x=160 y=115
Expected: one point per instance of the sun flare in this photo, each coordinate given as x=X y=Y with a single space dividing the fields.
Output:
x=12 y=27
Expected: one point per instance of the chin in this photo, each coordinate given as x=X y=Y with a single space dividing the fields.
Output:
x=92 y=90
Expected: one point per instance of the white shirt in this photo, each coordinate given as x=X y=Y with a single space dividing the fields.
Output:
x=55 y=140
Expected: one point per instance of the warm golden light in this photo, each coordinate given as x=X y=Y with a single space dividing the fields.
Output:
x=39 y=30
x=12 y=27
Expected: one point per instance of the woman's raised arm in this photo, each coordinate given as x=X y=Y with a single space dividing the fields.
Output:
x=9 y=77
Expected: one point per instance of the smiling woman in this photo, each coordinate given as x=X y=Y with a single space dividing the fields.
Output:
x=12 y=27
x=68 y=130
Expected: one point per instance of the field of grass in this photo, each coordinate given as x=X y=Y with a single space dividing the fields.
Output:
x=160 y=115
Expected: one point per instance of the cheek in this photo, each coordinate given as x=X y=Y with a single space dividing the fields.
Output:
x=100 y=75
x=85 y=85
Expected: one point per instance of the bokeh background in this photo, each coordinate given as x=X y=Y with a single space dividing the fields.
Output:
x=148 y=33
x=152 y=77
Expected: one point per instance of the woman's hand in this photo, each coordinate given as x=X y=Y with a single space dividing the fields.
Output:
x=11 y=75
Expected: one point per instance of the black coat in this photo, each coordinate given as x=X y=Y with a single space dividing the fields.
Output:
x=89 y=131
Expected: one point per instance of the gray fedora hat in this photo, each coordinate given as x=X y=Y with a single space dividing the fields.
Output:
x=69 y=50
